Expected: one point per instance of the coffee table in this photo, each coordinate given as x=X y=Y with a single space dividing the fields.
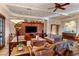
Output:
x=16 y=52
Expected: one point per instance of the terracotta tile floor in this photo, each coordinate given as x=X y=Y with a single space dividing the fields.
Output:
x=4 y=51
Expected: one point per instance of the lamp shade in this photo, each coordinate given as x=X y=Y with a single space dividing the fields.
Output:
x=18 y=25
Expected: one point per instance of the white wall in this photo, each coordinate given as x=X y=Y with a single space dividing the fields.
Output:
x=77 y=21
x=45 y=26
x=12 y=29
x=62 y=21
x=74 y=19
x=7 y=30
x=48 y=26
x=58 y=22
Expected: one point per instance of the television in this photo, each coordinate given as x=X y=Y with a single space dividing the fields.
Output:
x=31 y=29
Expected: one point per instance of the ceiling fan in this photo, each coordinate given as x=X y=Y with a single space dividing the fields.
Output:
x=59 y=6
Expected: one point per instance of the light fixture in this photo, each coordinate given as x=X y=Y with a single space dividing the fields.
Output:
x=60 y=13
x=16 y=21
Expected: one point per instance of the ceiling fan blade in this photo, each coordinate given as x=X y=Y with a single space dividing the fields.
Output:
x=65 y=4
x=54 y=9
x=62 y=8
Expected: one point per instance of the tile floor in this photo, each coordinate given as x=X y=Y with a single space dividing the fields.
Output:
x=4 y=51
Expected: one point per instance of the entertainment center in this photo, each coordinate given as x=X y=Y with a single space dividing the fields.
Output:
x=31 y=27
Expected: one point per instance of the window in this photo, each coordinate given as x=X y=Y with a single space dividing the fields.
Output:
x=70 y=27
x=2 y=31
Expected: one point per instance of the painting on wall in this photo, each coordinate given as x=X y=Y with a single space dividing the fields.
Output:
x=70 y=27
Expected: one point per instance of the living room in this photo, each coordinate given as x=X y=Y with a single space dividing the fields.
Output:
x=39 y=29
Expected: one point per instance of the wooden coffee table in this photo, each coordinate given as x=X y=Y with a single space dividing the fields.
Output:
x=16 y=52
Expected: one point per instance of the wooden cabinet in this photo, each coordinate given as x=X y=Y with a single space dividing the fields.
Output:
x=54 y=29
x=2 y=31
x=69 y=36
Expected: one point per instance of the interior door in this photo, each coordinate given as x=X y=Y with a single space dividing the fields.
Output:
x=2 y=32
x=54 y=29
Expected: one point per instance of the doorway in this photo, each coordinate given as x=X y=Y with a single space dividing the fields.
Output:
x=54 y=29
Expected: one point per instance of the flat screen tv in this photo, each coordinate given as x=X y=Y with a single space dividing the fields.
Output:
x=31 y=29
